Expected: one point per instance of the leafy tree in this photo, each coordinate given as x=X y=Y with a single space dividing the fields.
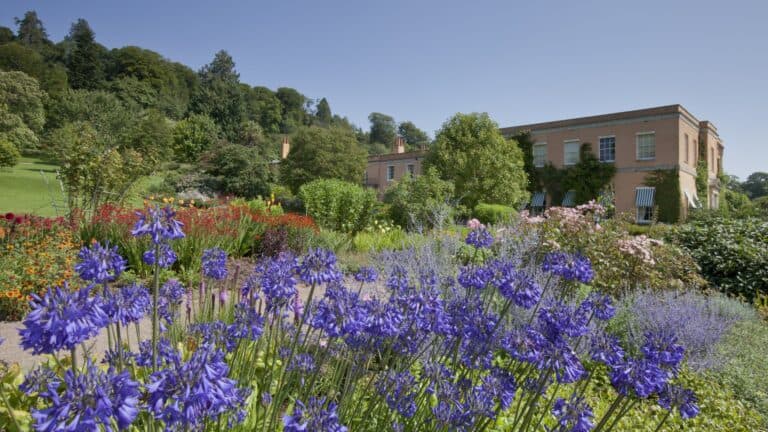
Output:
x=263 y=106
x=323 y=153
x=21 y=94
x=219 y=96
x=756 y=185
x=6 y=35
x=85 y=61
x=238 y=170
x=419 y=202
x=414 y=137
x=14 y=131
x=383 y=128
x=31 y=30
x=193 y=136
x=338 y=205
x=9 y=155
x=103 y=110
x=525 y=142
x=152 y=137
x=323 y=112
x=16 y=57
x=293 y=114
x=470 y=151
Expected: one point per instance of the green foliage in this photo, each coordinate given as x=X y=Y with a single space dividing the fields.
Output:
x=470 y=151
x=732 y=253
x=152 y=137
x=667 y=184
x=193 y=136
x=293 y=114
x=264 y=107
x=219 y=96
x=239 y=170
x=525 y=142
x=744 y=350
x=338 y=205
x=494 y=214
x=395 y=239
x=16 y=57
x=323 y=153
x=383 y=128
x=323 y=112
x=702 y=178
x=588 y=178
x=414 y=137
x=22 y=96
x=86 y=70
x=9 y=155
x=13 y=130
x=756 y=185
x=420 y=202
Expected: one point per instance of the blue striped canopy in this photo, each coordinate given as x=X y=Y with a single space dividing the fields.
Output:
x=569 y=199
x=538 y=199
x=644 y=196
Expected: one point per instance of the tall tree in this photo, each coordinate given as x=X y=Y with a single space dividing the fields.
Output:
x=470 y=151
x=525 y=142
x=219 y=95
x=263 y=107
x=756 y=185
x=17 y=57
x=323 y=153
x=6 y=35
x=22 y=113
x=84 y=63
x=414 y=137
x=193 y=136
x=383 y=128
x=323 y=112
x=31 y=30
x=293 y=108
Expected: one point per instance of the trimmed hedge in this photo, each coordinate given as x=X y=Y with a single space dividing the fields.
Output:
x=494 y=213
x=338 y=205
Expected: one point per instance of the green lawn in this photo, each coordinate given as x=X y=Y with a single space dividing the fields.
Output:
x=24 y=190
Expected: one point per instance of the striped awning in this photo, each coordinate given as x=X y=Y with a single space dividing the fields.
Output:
x=644 y=196
x=689 y=197
x=538 y=199
x=569 y=200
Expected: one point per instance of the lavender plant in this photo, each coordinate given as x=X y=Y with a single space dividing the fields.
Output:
x=445 y=347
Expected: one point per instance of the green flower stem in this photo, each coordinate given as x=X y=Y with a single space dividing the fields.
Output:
x=155 y=295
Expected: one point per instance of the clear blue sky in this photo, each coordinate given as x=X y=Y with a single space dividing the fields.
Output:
x=426 y=60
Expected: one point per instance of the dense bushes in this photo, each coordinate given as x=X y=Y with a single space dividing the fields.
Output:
x=9 y=155
x=420 y=202
x=732 y=253
x=338 y=205
x=494 y=213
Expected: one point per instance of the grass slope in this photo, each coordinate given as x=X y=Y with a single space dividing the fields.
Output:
x=23 y=188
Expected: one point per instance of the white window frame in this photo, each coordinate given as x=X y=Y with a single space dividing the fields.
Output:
x=390 y=173
x=566 y=145
x=543 y=161
x=644 y=215
x=600 y=148
x=411 y=169
x=637 y=145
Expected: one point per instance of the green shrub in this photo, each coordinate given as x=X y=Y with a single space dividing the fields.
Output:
x=494 y=213
x=732 y=253
x=394 y=239
x=9 y=155
x=745 y=352
x=420 y=202
x=338 y=205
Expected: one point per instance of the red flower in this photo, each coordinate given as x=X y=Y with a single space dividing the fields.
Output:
x=9 y=216
x=18 y=220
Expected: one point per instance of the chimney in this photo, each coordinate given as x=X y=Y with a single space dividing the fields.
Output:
x=285 y=148
x=399 y=146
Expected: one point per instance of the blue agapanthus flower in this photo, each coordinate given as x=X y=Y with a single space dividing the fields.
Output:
x=340 y=313
x=167 y=354
x=605 y=348
x=38 y=380
x=674 y=396
x=88 y=401
x=99 y=263
x=248 y=323
x=171 y=296
x=399 y=390
x=61 y=319
x=601 y=306
x=277 y=280
x=572 y=267
x=475 y=277
x=573 y=415
x=480 y=238
x=515 y=285
x=662 y=348
x=214 y=263
x=319 y=266
x=166 y=256
x=366 y=274
x=159 y=224
x=314 y=416
x=129 y=304
x=187 y=395
x=641 y=376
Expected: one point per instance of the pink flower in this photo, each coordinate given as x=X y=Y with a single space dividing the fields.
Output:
x=474 y=224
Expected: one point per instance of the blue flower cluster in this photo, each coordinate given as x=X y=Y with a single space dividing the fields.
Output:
x=214 y=264
x=480 y=238
x=314 y=416
x=571 y=267
x=99 y=263
x=159 y=224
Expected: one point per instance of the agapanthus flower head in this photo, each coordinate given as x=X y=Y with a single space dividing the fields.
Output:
x=557 y=320
x=366 y=274
x=524 y=344
x=398 y=279
x=675 y=396
x=480 y=238
x=38 y=380
x=303 y=363
x=248 y=323
x=572 y=267
x=129 y=304
x=99 y=263
x=573 y=415
x=400 y=392
x=516 y=285
x=277 y=280
x=168 y=355
x=61 y=319
x=319 y=266
x=641 y=376
x=166 y=256
x=314 y=416
x=560 y=357
x=340 y=313
x=605 y=348
x=159 y=224
x=89 y=400
x=600 y=305
x=474 y=276
x=194 y=392
x=214 y=263
x=662 y=348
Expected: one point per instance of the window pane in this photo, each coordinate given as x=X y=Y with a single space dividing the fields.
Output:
x=646 y=146
x=539 y=155
x=607 y=149
x=571 y=156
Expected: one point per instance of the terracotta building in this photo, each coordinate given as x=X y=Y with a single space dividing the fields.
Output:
x=384 y=170
x=666 y=138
